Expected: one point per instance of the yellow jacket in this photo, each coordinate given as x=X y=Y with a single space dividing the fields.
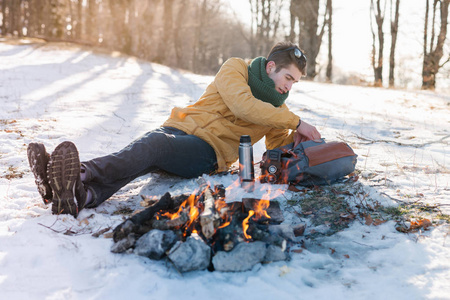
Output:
x=227 y=110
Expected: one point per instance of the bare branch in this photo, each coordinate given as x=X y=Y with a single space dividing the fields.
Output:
x=448 y=59
x=372 y=141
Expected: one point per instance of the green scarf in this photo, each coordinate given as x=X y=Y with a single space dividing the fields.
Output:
x=261 y=85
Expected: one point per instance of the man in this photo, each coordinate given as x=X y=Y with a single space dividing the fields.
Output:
x=243 y=99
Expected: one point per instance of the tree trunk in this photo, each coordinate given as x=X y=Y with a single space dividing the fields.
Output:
x=13 y=12
x=178 y=37
x=292 y=11
x=432 y=57
x=72 y=31
x=56 y=22
x=4 y=5
x=377 y=60
x=394 y=31
x=31 y=17
x=91 y=21
x=79 y=21
x=265 y=22
x=39 y=11
x=119 y=10
x=307 y=13
x=146 y=30
x=165 y=39
x=329 y=72
x=198 y=40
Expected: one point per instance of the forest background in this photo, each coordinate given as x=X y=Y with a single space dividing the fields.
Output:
x=390 y=43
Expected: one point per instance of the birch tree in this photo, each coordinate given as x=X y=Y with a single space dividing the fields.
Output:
x=433 y=45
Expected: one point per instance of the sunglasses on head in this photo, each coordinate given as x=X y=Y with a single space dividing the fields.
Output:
x=297 y=52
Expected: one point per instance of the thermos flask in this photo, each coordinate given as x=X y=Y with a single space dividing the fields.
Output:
x=246 y=169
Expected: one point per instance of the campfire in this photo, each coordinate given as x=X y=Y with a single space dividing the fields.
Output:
x=203 y=231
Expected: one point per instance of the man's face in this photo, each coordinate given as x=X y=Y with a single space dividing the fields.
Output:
x=285 y=78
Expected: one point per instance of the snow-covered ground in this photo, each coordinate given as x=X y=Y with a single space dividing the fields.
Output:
x=52 y=92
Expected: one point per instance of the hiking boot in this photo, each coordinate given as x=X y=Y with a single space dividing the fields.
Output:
x=64 y=178
x=38 y=159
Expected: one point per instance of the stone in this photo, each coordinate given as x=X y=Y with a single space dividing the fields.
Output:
x=242 y=258
x=191 y=255
x=299 y=229
x=285 y=231
x=124 y=244
x=155 y=243
x=275 y=253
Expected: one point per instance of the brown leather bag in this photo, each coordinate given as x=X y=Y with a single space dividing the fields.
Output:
x=310 y=163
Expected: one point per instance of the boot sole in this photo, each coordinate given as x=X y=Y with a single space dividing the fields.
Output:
x=63 y=171
x=38 y=160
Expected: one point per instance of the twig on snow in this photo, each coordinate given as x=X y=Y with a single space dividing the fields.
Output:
x=372 y=141
x=392 y=198
x=365 y=245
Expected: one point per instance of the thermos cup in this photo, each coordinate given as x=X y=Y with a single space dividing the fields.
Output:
x=246 y=168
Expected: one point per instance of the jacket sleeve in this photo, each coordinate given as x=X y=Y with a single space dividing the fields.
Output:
x=232 y=84
x=278 y=137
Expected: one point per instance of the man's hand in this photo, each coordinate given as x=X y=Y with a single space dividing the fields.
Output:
x=305 y=132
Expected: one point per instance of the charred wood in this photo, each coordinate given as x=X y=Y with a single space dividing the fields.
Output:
x=209 y=218
x=150 y=200
x=274 y=211
x=134 y=223
x=167 y=224
x=227 y=237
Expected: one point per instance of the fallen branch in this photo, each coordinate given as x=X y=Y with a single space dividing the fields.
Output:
x=372 y=141
x=365 y=245
x=392 y=198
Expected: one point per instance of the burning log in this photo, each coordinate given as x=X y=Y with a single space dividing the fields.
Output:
x=150 y=200
x=209 y=218
x=228 y=236
x=138 y=220
x=166 y=224
x=190 y=228
x=273 y=213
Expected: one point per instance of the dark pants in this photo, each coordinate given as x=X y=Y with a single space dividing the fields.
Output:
x=166 y=148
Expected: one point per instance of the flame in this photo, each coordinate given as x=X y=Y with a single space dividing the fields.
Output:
x=245 y=224
x=220 y=204
x=235 y=184
x=193 y=212
x=172 y=216
x=260 y=209
x=224 y=224
x=222 y=209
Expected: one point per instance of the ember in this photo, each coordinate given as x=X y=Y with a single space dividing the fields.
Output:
x=202 y=230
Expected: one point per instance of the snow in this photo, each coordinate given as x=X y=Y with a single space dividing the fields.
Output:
x=54 y=92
